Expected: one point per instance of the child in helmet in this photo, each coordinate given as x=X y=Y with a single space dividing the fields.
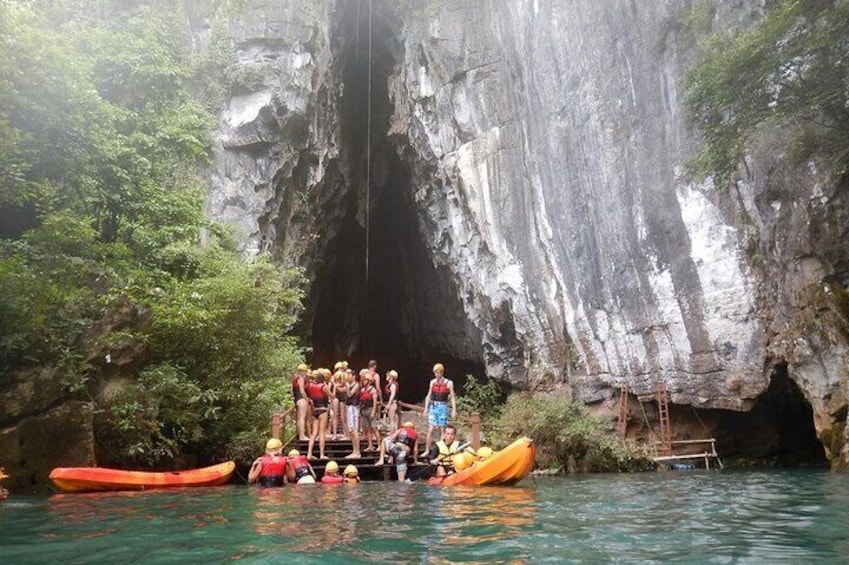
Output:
x=331 y=474
x=352 y=475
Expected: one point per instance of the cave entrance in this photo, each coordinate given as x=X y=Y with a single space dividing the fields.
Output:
x=400 y=310
x=779 y=430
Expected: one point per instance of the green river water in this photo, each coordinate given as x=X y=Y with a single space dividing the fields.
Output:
x=791 y=516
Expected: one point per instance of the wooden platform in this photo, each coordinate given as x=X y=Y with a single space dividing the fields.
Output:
x=336 y=450
x=708 y=456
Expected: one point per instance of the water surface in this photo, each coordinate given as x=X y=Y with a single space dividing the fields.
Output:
x=799 y=516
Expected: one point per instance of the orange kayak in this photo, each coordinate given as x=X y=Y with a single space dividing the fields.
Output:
x=505 y=467
x=88 y=479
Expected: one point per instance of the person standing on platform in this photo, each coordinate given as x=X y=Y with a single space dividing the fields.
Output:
x=390 y=392
x=375 y=380
x=439 y=393
x=352 y=409
x=318 y=392
x=299 y=395
x=368 y=412
x=337 y=393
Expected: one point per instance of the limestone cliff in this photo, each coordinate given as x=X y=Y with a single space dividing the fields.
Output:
x=500 y=184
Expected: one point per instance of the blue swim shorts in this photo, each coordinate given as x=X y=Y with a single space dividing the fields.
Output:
x=437 y=414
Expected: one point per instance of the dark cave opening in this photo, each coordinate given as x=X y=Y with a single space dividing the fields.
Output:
x=778 y=431
x=400 y=310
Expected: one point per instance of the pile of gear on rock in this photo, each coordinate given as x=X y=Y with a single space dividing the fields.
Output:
x=342 y=404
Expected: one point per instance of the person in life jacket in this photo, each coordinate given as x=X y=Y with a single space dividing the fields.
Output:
x=351 y=475
x=368 y=412
x=375 y=380
x=299 y=395
x=269 y=470
x=299 y=469
x=318 y=393
x=439 y=393
x=352 y=412
x=441 y=455
x=390 y=392
x=331 y=474
x=399 y=445
x=337 y=384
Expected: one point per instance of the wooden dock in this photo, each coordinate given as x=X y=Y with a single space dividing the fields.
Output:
x=707 y=455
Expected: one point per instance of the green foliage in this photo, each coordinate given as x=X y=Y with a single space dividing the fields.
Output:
x=792 y=70
x=100 y=143
x=482 y=397
x=563 y=430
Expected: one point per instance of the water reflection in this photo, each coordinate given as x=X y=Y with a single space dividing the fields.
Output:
x=727 y=517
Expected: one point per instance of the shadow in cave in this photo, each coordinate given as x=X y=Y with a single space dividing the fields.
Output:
x=778 y=431
x=397 y=308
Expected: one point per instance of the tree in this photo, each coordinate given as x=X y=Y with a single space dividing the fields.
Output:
x=790 y=70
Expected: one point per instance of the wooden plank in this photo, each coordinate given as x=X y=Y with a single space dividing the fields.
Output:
x=674 y=457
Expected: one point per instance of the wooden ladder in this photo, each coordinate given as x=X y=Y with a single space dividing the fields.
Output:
x=663 y=416
x=622 y=423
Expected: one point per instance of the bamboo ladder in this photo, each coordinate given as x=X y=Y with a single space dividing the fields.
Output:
x=662 y=396
x=622 y=423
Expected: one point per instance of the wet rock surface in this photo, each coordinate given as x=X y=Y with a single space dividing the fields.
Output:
x=526 y=211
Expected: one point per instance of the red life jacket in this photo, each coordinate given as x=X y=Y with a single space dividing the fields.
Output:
x=315 y=392
x=273 y=470
x=387 y=391
x=439 y=391
x=332 y=479
x=411 y=436
x=273 y=466
x=301 y=466
x=366 y=399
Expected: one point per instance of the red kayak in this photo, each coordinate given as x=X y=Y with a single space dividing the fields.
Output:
x=91 y=479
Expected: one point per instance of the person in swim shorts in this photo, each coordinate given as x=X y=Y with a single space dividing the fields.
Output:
x=439 y=393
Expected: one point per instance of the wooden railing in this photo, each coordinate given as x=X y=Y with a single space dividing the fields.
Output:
x=280 y=420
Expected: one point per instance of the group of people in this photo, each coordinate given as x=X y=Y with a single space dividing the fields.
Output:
x=322 y=397
x=351 y=403
x=273 y=469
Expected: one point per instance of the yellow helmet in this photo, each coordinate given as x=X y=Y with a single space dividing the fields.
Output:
x=344 y=364
x=438 y=368
x=337 y=366
x=302 y=368
x=331 y=467
x=485 y=452
x=273 y=445
x=408 y=425
x=3 y=474
x=294 y=453
x=351 y=471
x=393 y=373
x=462 y=461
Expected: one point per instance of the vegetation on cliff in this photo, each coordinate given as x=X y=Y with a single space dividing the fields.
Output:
x=791 y=70
x=567 y=436
x=101 y=205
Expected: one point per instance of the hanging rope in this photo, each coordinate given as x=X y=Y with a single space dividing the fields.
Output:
x=368 y=144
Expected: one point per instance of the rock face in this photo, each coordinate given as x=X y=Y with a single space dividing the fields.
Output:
x=528 y=157
x=43 y=424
